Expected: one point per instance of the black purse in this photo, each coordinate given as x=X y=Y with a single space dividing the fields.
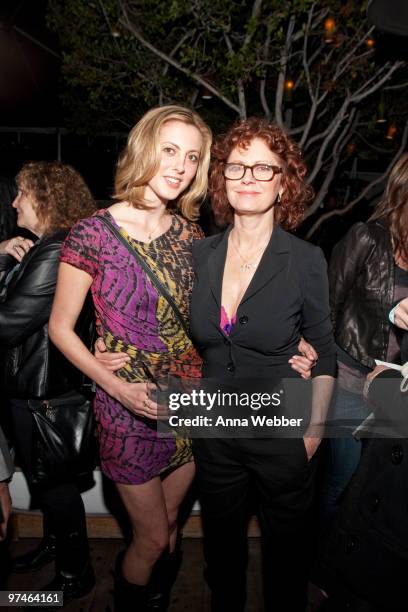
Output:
x=64 y=446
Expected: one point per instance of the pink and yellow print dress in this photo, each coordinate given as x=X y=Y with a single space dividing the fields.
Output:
x=135 y=319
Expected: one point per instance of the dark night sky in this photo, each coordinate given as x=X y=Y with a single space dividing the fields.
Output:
x=29 y=68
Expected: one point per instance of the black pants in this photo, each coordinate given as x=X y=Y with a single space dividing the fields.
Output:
x=62 y=505
x=278 y=472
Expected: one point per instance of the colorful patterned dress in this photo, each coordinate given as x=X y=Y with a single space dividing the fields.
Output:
x=135 y=319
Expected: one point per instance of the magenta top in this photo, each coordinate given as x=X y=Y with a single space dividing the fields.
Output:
x=227 y=324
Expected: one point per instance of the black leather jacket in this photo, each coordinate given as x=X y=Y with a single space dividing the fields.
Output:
x=30 y=365
x=361 y=281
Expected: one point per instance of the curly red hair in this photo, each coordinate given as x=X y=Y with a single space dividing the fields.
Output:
x=296 y=192
x=60 y=194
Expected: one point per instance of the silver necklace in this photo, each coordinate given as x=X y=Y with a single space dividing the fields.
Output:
x=154 y=230
x=247 y=266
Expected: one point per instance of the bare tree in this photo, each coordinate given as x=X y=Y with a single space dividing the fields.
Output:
x=310 y=67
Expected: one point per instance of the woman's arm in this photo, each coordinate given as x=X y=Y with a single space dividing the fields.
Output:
x=72 y=287
x=317 y=329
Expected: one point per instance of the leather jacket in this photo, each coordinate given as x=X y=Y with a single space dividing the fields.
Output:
x=30 y=365
x=361 y=281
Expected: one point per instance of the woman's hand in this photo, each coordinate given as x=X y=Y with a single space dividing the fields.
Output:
x=311 y=446
x=111 y=361
x=136 y=398
x=370 y=377
x=401 y=314
x=17 y=247
x=305 y=363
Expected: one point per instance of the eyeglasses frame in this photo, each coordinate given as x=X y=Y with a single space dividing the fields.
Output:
x=276 y=170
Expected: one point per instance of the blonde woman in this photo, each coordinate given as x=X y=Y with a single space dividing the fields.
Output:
x=120 y=254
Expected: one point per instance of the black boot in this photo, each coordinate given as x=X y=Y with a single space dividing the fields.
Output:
x=74 y=576
x=37 y=558
x=163 y=578
x=73 y=585
x=127 y=596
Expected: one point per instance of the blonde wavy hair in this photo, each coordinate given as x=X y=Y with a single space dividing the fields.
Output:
x=140 y=160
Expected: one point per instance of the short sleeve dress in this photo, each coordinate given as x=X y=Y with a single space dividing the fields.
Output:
x=133 y=318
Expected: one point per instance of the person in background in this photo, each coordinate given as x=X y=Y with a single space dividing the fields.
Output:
x=363 y=562
x=8 y=218
x=368 y=272
x=51 y=197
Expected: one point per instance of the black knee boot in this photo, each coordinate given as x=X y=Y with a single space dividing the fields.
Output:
x=35 y=559
x=40 y=556
x=163 y=577
x=127 y=596
x=74 y=573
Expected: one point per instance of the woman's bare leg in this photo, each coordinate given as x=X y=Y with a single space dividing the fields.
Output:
x=146 y=507
x=175 y=488
x=153 y=508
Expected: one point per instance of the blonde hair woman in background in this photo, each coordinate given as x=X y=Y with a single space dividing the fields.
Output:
x=161 y=173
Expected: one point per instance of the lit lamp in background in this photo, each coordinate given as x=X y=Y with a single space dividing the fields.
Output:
x=391 y=132
x=115 y=31
x=381 y=113
x=329 y=30
x=206 y=94
x=289 y=86
x=370 y=42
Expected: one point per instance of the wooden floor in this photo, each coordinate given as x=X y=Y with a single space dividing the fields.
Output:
x=190 y=593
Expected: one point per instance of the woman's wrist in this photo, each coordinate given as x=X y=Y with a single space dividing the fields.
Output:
x=113 y=385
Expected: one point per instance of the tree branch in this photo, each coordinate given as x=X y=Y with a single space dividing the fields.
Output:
x=341 y=142
x=357 y=97
x=166 y=58
x=373 y=183
x=331 y=130
x=280 y=88
x=240 y=83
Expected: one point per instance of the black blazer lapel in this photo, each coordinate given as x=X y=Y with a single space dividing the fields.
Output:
x=216 y=263
x=272 y=263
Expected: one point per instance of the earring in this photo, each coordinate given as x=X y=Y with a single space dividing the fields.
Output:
x=278 y=199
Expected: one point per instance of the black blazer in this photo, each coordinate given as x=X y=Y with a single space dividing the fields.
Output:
x=287 y=298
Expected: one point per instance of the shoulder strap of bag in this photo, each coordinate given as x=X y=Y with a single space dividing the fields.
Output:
x=155 y=280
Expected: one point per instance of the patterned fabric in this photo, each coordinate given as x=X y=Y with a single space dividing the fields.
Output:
x=134 y=319
x=226 y=323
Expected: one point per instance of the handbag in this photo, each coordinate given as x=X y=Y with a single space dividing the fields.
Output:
x=64 y=447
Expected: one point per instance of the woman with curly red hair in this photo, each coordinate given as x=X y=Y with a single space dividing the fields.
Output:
x=258 y=290
x=51 y=198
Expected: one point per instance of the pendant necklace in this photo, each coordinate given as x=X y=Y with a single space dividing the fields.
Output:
x=153 y=231
x=247 y=266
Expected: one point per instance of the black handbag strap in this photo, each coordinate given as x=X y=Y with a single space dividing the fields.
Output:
x=155 y=280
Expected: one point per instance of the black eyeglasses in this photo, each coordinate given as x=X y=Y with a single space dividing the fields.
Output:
x=260 y=172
